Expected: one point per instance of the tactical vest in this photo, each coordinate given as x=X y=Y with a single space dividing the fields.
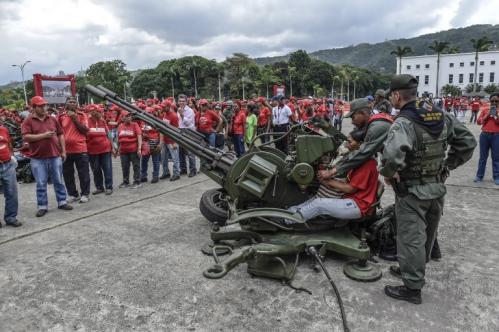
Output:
x=425 y=163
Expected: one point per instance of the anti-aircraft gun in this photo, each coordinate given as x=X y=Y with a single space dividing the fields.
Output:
x=248 y=210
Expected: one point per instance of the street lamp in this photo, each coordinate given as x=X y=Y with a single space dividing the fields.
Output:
x=21 y=67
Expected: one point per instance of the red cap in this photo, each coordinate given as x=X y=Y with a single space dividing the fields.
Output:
x=38 y=101
x=203 y=102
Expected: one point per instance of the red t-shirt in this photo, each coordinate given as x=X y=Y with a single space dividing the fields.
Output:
x=47 y=147
x=76 y=142
x=149 y=132
x=263 y=117
x=365 y=179
x=171 y=118
x=5 y=153
x=489 y=124
x=321 y=111
x=128 y=137
x=111 y=116
x=97 y=140
x=238 y=123
x=475 y=106
x=206 y=120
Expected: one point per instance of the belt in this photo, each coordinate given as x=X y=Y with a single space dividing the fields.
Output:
x=421 y=181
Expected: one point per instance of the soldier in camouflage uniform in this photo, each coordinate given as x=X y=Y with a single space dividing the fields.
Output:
x=376 y=127
x=422 y=145
x=381 y=105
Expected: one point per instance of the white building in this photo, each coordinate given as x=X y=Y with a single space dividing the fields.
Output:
x=456 y=69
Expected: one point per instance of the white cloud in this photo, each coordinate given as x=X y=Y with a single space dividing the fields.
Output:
x=69 y=35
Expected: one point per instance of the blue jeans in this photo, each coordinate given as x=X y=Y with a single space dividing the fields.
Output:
x=156 y=160
x=41 y=169
x=210 y=138
x=488 y=142
x=9 y=183
x=167 y=150
x=102 y=167
x=192 y=160
x=238 y=141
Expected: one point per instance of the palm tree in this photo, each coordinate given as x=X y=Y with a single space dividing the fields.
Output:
x=399 y=53
x=267 y=76
x=291 y=74
x=452 y=50
x=172 y=71
x=193 y=66
x=438 y=47
x=480 y=45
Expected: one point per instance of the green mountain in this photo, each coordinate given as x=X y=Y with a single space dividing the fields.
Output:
x=377 y=56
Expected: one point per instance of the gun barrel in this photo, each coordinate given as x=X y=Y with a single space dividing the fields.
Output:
x=187 y=139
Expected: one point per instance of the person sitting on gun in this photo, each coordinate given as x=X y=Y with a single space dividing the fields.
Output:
x=359 y=192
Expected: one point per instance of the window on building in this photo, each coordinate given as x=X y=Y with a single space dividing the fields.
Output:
x=491 y=77
x=417 y=78
x=472 y=63
x=461 y=64
x=493 y=62
x=427 y=66
x=418 y=66
x=471 y=78
x=461 y=78
x=451 y=64
x=480 y=77
x=451 y=78
x=426 y=79
x=482 y=63
x=408 y=67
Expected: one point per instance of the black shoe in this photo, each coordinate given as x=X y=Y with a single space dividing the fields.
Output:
x=162 y=177
x=154 y=180
x=395 y=271
x=436 y=255
x=191 y=174
x=109 y=191
x=404 y=293
x=183 y=172
x=175 y=178
x=143 y=180
x=98 y=191
x=41 y=212
x=65 y=207
x=388 y=254
x=16 y=223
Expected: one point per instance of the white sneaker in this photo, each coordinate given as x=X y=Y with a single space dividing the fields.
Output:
x=136 y=186
x=72 y=199
x=83 y=199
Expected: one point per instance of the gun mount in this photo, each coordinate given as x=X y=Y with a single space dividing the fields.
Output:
x=256 y=190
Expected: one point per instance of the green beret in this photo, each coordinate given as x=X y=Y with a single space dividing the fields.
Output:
x=357 y=105
x=404 y=81
x=380 y=92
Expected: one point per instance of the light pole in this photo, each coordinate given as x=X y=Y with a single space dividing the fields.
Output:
x=21 y=67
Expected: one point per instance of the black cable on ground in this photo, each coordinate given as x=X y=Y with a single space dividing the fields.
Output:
x=315 y=254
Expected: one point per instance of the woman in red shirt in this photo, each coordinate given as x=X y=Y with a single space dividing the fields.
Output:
x=99 y=151
x=238 y=122
x=207 y=121
x=264 y=115
x=130 y=142
x=151 y=137
x=489 y=139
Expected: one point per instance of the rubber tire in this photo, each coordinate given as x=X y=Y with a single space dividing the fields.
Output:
x=210 y=210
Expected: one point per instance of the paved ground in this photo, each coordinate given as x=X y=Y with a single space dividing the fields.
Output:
x=131 y=261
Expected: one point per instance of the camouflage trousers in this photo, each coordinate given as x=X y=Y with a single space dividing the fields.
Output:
x=417 y=223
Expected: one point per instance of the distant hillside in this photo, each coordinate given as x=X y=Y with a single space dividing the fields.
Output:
x=377 y=56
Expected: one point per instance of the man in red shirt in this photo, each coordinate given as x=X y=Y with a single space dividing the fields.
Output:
x=238 y=122
x=8 y=179
x=130 y=141
x=359 y=194
x=99 y=151
x=475 y=108
x=48 y=150
x=74 y=125
x=489 y=139
x=169 y=147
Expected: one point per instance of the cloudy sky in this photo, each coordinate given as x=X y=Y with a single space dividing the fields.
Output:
x=70 y=35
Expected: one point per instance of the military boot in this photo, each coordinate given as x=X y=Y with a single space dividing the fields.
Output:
x=404 y=293
x=436 y=255
x=395 y=271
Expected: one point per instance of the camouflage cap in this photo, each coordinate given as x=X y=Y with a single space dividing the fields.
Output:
x=380 y=92
x=357 y=105
x=404 y=81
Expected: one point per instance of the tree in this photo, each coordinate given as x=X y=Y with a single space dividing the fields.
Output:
x=438 y=47
x=110 y=74
x=453 y=90
x=491 y=88
x=473 y=88
x=479 y=45
x=194 y=65
x=452 y=50
x=399 y=53
x=266 y=78
x=145 y=82
x=292 y=75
